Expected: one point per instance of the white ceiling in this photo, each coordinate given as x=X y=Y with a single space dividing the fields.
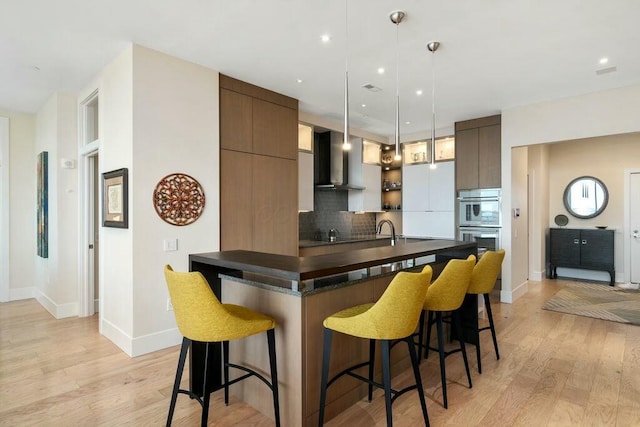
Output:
x=495 y=54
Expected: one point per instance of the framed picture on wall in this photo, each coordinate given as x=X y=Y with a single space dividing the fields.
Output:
x=115 y=192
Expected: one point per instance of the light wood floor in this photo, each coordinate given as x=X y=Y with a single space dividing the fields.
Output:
x=555 y=369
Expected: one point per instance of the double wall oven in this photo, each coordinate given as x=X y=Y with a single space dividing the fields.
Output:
x=480 y=218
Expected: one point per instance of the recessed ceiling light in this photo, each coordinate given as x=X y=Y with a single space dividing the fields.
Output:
x=380 y=70
x=364 y=105
x=603 y=60
x=419 y=92
x=326 y=38
x=387 y=147
x=407 y=123
x=299 y=80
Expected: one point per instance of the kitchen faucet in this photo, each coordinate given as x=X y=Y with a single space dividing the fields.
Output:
x=393 y=230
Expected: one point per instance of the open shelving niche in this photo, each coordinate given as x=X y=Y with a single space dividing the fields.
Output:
x=391 y=180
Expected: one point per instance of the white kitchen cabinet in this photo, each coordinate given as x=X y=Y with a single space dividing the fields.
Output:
x=305 y=181
x=442 y=187
x=426 y=189
x=429 y=200
x=415 y=182
x=429 y=224
x=365 y=175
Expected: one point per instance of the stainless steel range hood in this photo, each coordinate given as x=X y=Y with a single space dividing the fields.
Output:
x=331 y=163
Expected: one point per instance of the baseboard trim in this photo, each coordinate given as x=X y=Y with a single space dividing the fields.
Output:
x=156 y=341
x=117 y=336
x=59 y=311
x=512 y=295
x=537 y=276
x=16 y=294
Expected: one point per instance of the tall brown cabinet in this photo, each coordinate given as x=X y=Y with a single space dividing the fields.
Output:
x=258 y=169
x=478 y=154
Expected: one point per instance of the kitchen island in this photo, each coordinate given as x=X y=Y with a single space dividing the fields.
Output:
x=299 y=292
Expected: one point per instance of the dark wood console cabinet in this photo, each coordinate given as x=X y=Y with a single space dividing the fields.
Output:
x=582 y=248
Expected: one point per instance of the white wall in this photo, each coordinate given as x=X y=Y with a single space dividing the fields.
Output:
x=55 y=276
x=596 y=114
x=115 y=85
x=22 y=196
x=175 y=129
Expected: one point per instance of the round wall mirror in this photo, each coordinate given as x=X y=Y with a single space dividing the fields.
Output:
x=586 y=197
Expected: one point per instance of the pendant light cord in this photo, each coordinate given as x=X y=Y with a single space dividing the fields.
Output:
x=433 y=108
x=397 y=94
x=346 y=145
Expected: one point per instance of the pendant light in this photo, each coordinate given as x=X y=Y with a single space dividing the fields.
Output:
x=346 y=144
x=433 y=47
x=396 y=17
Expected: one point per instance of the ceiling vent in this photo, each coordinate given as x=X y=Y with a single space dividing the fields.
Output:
x=602 y=71
x=371 y=87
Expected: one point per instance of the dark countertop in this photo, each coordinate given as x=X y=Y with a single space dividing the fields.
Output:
x=298 y=269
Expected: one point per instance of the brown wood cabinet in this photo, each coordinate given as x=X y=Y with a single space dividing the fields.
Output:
x=258 y=169
x=478 y=153
x=275 y=205
x=273 y=126
x=236 y=121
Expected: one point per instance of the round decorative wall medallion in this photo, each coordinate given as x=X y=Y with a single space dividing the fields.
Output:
x=178 y=199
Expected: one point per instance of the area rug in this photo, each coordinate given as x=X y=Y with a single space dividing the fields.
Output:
x=597 y=300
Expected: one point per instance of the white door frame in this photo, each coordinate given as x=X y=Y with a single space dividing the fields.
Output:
x=86 y=166
x=88 y=148
x=626 y=259
x=4 y=211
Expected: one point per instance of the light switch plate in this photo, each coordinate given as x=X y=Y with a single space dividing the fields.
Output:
x=170 y=245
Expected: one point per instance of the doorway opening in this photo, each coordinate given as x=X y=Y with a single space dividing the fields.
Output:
x=89 y=284
x=632 y=228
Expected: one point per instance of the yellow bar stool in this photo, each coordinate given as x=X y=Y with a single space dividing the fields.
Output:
x=446 y=294
x=394 y=317
x=483 y=279
x=201 y=317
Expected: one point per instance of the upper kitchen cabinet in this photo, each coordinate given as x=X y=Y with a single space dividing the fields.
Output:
x=477 y=153
x=365 y=172
x=305 y=168
x=256 y=120
x=273 y=127
x=236 y=121
x=426 y=189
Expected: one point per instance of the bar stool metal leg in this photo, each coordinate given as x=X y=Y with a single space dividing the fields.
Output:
x=372 y=356
x=206 y=394
x=456 y=320
x=326 y=357
x=491 y=324
x=443 y=377
x=186 y=343
x=274 y=374
x=225 y=370
x=386 y=379
x=415 y=362
x=420 y=335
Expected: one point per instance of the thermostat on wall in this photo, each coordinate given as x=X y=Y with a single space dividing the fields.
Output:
x=67 y=163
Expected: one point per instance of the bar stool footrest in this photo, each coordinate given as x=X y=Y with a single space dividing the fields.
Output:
x=249 y=373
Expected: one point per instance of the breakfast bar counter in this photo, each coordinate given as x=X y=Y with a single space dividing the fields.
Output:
x=299 y=292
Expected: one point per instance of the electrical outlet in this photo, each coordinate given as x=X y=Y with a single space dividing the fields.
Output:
x=169 y=305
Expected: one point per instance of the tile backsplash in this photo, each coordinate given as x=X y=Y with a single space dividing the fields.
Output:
x=331 y=211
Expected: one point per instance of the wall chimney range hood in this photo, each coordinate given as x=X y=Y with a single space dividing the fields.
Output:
x=331 y=163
